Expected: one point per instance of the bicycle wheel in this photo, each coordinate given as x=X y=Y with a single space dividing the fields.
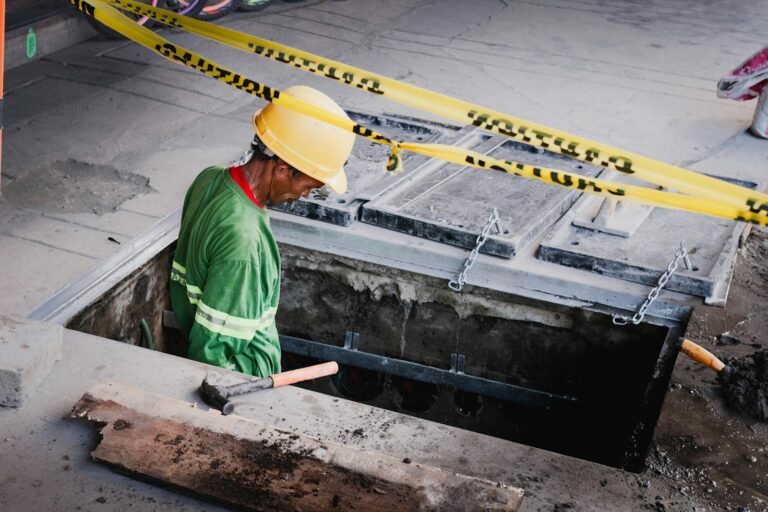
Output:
x=215 y=9
x=252 y=5
x=186 y=7
x=108 y=33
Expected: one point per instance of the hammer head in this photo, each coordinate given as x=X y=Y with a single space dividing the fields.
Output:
x=216 y=396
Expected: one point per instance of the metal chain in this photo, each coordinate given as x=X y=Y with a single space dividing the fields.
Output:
x=457 y=284
x=681 y=253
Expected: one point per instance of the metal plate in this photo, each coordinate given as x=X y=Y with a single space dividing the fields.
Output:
x=366 y=176
x=451 y=204
x=641 y=258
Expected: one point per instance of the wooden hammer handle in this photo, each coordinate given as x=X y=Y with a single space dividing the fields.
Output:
x=702 y=355
x=302 y=374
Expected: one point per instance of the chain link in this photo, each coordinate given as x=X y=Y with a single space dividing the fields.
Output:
x=681 y=253
x=457 y=284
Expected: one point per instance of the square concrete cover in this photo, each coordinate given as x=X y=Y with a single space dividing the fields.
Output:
x=28 y=350
x=366 y=177
x=642 y=257
x=451 y=204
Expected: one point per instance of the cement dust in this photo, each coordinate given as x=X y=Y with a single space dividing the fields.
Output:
x=72 y=186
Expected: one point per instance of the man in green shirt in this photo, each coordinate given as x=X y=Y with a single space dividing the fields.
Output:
x=225 y=280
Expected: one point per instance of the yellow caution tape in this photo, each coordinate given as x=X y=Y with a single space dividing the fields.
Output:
x=722 y=199
x=659 y=173
x=593 y=186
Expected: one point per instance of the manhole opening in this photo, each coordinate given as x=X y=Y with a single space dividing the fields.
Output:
x=597 y=388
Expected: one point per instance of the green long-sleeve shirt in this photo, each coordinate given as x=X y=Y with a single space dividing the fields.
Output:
x=225 y=281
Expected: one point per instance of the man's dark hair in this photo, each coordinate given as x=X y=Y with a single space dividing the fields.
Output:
x=260 y=151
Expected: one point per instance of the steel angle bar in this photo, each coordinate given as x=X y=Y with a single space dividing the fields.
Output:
x=68 y=301
x=415 y=371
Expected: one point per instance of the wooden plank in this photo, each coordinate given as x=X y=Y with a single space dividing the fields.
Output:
x=249 y=465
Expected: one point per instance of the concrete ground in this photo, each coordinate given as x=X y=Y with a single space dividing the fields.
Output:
x=632 y=74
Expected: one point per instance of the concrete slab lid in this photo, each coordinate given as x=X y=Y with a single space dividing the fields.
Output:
x=451 y=204
x=29 y=350
x=365 y=168
x=711 y=243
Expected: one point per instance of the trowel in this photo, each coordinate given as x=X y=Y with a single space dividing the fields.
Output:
x=705 y=357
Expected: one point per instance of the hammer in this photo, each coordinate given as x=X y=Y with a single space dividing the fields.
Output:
x=218 y=396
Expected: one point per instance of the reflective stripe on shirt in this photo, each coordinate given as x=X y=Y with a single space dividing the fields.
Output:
x=229 y=325
x=179 y=274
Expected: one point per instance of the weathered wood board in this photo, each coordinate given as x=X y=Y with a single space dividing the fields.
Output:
x=253 y=466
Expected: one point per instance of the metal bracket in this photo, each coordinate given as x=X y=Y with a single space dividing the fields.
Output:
x=169 y=320
x=457 y=363
x=351 y=340
x=440 y=377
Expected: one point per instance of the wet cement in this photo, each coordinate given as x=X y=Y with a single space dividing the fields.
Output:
x=72 y=186
x=745 y=384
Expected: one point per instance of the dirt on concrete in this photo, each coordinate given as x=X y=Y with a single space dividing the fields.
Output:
x=72 y=186
x=710 y=447
x=745 y=384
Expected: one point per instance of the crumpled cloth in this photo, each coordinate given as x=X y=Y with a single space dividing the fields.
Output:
x=746 y=82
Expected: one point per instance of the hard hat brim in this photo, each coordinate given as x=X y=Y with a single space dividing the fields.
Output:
x=337 y=182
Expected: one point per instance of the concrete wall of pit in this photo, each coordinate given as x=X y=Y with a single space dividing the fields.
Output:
x=617 y=373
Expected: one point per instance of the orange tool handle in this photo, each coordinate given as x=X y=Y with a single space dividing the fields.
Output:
x=702 y=355
x=302 y=374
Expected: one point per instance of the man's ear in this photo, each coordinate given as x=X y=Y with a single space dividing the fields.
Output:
x=281 y=167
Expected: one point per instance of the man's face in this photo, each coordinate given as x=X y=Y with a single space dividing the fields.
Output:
x=289 y=184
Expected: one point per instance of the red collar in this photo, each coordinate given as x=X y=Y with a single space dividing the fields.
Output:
x=236 y=172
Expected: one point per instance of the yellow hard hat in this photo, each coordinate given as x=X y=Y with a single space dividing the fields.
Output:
x=314 y=147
